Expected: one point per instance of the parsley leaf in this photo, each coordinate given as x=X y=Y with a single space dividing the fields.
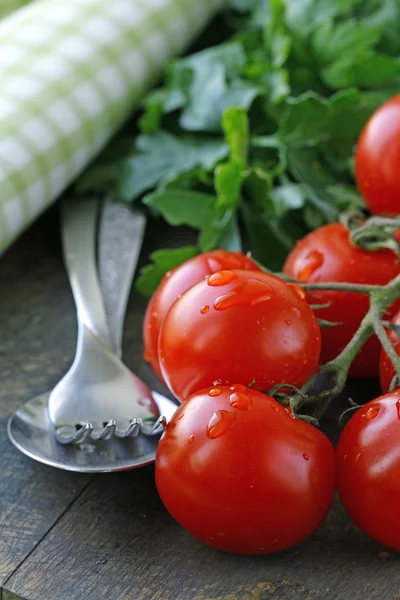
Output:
x=162 y=157
x=250 y=138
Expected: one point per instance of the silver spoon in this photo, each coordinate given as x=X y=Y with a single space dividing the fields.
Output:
x=30 y=428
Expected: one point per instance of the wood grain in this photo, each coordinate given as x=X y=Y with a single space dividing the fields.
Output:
x=111 y=539
x=117 y=542
x=37 y=336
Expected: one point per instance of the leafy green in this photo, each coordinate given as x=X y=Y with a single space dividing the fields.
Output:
x=250 y=139
x=228 y=184
x=162 y=157
x=182 y=207
x=163 y=261
x=235 y=125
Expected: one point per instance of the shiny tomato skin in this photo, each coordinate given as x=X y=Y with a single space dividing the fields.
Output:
x=326 y=255
x=262 y=482
x=177 y=281
x=377 y=160
x=243 y=326
x=368 y=467
x=386 y=369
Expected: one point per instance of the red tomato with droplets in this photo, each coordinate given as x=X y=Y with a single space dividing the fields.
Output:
x=176 y=282
x=327 y=255
x=243 y=326
x=368 y=467
x=242 y=475
x=377 y=159
x=386 y=368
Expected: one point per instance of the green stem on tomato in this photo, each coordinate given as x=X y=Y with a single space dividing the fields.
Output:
x=341 y=287
x=380 y=300
x=357 y=288
x=376 y=234
x=387 y=345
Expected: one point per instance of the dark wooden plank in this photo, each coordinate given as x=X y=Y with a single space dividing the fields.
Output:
x=37 y=337
x=117 y=542
x=37 y=342
x=113 y=539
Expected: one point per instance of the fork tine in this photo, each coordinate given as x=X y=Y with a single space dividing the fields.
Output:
x=154 y=428
x=65 y=436
x=108 y=430
x=159 y=425
x=133 y=429
x=68 y=434
x=83 y=433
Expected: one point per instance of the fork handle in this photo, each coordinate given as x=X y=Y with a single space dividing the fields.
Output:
x=121 y=234
x=79 y=228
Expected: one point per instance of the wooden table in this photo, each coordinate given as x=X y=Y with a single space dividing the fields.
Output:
x=65 y=536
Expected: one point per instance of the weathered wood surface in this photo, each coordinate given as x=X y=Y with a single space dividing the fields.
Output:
x=37 y=336
x=70 y=537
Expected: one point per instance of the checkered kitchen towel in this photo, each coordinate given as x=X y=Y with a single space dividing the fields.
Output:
x=71 y=71
x=9 y=6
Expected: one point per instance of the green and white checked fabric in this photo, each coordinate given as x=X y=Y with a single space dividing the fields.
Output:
x=9 y=6
x=71 y=71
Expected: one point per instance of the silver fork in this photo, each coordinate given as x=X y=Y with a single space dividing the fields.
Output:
x=99 y=396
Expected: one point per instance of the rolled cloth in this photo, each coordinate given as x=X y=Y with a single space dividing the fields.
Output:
x=71 y=72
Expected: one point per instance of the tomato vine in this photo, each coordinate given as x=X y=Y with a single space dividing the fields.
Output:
x=381 y=297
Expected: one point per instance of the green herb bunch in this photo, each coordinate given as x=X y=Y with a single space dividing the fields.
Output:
x=254 y=135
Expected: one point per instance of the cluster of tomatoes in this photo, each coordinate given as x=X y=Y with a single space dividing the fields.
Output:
x=237 y=469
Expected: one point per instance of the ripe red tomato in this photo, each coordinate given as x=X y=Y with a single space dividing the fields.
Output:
x=240 y=474
x=243 y=326
x=327 y=255
x=176 y=282
x=368 y=467
x=378 y=159
x=386 y=369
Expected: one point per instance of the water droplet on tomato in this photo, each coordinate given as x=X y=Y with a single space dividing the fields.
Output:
x=288 y=322
x=358 y=455
x=214 y=264
x=260 y=299
x=248 y=293
x=146 y=356
x=290 y=412
x=305 y=456
x=298 y=290
x=221 y=534
x=215 y=392
x=398 y=409
x=191 y=439
x=181 y=416
x=171 y=425
x=217 y=382
x=221 y=278
x=204 y=309
x=275 y=407
x=238 y=387
x=240 y=400
x=168 y=274
x=226 y=301
x=372 y=412
x=345 y=457
x=313 y=261
x=220 y=423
